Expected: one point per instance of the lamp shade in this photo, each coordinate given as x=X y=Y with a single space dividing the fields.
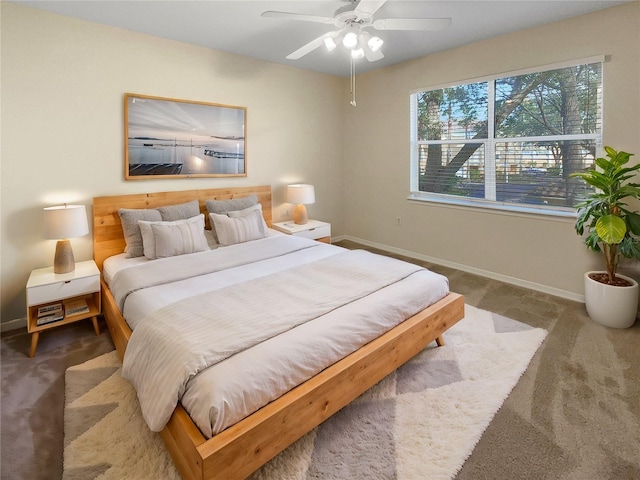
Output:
x=301 y=194
x=65 y=221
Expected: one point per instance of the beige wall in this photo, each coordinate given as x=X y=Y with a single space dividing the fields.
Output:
x=62 y=90
x=540 y=252
x=63 y=82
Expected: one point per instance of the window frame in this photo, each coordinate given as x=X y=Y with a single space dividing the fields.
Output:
x=490 y=143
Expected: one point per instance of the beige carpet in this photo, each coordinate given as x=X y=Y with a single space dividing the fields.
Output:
x=421 y=422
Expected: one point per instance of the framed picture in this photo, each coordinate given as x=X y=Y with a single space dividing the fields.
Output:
x=170 y=138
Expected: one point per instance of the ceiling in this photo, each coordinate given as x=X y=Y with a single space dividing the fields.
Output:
x=237 y=27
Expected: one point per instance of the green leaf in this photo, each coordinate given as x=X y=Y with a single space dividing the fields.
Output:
x=630 y=248
x=591 y=241
x=633 y=222
x=611 y=229
x=635 y=246
x=603 y=163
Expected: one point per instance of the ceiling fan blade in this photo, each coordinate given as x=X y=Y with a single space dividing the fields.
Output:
x=430 y=24
x=311 y=46
x=297 y=16
x=368 y=7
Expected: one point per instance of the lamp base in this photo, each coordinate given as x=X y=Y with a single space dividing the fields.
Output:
x=300 y=216
x=64 y=262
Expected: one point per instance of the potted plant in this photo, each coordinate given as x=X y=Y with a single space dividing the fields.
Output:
x=611 y=298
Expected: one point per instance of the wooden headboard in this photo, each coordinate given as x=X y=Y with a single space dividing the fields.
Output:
x=108 y=238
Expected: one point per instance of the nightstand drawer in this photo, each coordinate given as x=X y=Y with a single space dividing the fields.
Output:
x=63 y=289
x=313 y=233
x=313 y=229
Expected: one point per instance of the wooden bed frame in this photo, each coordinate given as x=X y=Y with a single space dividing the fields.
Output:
x=246 y=446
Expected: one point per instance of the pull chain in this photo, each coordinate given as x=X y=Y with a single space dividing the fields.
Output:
x=353 y=82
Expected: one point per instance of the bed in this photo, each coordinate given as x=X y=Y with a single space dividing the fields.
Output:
x=243 y=446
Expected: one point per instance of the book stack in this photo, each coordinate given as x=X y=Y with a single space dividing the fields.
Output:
x=49 y=313
x=76 y=307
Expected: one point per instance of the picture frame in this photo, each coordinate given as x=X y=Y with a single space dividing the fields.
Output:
x=173 y=138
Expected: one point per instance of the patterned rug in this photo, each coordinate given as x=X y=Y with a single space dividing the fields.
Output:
x=422 y=421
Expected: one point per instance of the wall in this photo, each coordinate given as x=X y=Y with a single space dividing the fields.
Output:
x=535 y=251
x=63 y=82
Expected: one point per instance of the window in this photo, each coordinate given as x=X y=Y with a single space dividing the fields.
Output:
x=509 y=141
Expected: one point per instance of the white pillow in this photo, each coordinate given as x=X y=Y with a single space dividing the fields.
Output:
x=168 y=239
x=243 y=228
x=247 y=211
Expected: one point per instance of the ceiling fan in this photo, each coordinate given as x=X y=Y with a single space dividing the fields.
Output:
x=352 y=24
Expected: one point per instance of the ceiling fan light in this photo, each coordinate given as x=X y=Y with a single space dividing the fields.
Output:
x=330 y=43
x=357 y=53
x=375 y=43
x=350 y=40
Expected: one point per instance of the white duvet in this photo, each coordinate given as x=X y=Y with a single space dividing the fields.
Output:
x=269 y=364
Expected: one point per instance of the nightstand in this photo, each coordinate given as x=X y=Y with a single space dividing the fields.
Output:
x=55 y=299
x=313 y=229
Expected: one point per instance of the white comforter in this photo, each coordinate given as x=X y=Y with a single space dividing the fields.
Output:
x=271 y=364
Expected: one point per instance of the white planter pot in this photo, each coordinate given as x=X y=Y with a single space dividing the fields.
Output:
x=611 y=306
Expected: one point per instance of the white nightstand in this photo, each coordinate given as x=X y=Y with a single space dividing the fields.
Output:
x=48 y=289
x=313 y=229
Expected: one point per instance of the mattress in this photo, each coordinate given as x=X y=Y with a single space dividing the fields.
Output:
x=230 y=390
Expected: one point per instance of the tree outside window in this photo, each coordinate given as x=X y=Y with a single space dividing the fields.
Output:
x=513 y=140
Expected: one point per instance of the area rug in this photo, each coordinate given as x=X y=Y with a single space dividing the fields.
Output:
x=421 y=422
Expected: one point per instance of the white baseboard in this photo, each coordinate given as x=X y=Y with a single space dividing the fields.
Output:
x=465 y=268
x=13 y=324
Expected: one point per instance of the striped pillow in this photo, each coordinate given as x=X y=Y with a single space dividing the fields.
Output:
x=232 y=230
x=168 y=239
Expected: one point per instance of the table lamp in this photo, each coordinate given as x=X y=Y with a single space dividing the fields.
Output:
x=300 y=194
x=62 y=223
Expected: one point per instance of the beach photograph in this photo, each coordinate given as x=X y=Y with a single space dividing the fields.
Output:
x=168 y=137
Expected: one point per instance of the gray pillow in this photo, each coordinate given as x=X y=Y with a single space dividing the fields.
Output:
x=222 y=207
x=182 y=211
x=129 y=218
